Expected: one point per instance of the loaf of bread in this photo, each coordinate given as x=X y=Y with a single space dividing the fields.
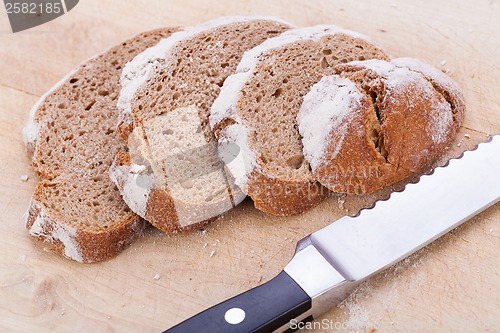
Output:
x=176 y=126
x=258 y=105
x=376 y=122
x=72 y=138
x=172 y=175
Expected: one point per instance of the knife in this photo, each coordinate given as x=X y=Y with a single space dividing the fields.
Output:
x=331 y=262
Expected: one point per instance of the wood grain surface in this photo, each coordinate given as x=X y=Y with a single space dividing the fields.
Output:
x=451 y=286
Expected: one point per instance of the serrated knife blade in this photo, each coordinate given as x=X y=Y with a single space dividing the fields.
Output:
x=332 y=261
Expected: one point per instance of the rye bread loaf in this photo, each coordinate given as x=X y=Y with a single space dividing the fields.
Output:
x=257 y=108
x=72 y=139
x=172 y=175
x=376 y=122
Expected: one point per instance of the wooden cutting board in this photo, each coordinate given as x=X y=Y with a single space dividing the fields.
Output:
x=451 y=286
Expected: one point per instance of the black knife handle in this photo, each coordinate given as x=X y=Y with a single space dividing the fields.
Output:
x=265 y=308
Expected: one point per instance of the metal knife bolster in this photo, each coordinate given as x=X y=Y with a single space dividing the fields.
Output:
x=321 y=281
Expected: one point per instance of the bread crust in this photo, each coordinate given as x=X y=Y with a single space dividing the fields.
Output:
x=402 y=123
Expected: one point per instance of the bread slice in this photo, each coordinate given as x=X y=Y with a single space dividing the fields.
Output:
x=257 y=108
x=172 y=175
x=72 y=139
x=377 y=122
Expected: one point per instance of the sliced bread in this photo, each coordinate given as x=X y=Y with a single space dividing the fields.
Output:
x=172 y=175
x=377 y=122
x=258 y=105
x=72 y=139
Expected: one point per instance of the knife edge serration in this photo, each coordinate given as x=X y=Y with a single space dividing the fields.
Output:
x=415 y=179
x=361 y=246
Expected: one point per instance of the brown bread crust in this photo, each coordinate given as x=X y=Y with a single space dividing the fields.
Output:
x=284 y=198
x=405 y=127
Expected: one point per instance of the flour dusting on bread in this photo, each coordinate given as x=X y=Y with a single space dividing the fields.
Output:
x=398 y=75
x=48 y=229
x=427 y=70
x=326 y=108
x=136 y=187
x=442 y=83
x=244 y=160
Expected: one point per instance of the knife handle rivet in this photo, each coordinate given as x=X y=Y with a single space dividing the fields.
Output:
x=234 y=316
